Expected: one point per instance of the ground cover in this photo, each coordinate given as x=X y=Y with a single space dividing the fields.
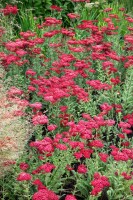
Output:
x=76 y=86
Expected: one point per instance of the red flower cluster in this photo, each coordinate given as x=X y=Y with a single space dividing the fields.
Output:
x=39 y=119
x=43 y=146
x=123 y=155
x=82 y=169
x=73 y=15
x=23 y=176
x=24 y=166
x=57 y=8
x=9 y=9
x=45 y=194
x=103 y=157
x=45 y=168
x=98 y=85
x=99 y=183
x=70 y=197
x=96 y=143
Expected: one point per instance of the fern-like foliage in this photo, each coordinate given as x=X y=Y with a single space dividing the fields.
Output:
x=127 y=92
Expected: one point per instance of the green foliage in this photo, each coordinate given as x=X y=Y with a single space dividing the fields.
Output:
x=127 y=92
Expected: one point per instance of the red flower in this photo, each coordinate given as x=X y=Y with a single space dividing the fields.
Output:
x=82 y=169
x=23 y=176
x=31 y=88
x=70 y=197
x=86 y=152
x=63 y=108
x=107 y=10
x=126 y=176
x=45 y=194
x=69 y=168
x=36 y=105
x=9 y=9
x=115 y=80
x=73 y=15
x=124 y=125
x=76 y=49
x=122 y=9
x=96 y=143
x=45 y=145
x=99 y=183
x=106 y=107
x=39 y=184
x=52 y=21
x=51 y=33
x=95 y=191
x=40 y=195
x=30 y=72
x=57 y=8
x=78 y=155
x=47 y=167
x=103 y=157
x=131 y=188
x=62 y=147
x=51 y=127
x=24 y=166
x=39 y=119
x=21 y=52
x=122 y=136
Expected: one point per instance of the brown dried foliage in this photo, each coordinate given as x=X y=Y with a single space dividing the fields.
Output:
x=14 y=131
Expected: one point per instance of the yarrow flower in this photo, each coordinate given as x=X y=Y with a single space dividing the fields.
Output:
x=30 y=72
x=24 y=166
x=73 y=15
x=131 y=188
x=36 y=105
x=9 y=9
x=57 y=8
x=47 y=167
x=23 y=176
x=96 y=143
x=99 y=183
x=39 y=119
x=45 y=194
x=82 y=169
x=70 y=197
x=103 y=157
x=51 y=127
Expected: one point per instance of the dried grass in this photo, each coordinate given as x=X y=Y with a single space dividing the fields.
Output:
x=14 y=131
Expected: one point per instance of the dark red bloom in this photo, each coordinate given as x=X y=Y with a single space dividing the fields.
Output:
x=47 y=167
x=23 y=176
x=73 y=15
x=45 y=194
x=70 y=197
x=107 y=9
x=103 y=157
x=24 y=166
x=9 y=9
x=96 y=143
x=57 y=8
x=82 y=169
x=99 y=183
x=39 y=119
x=131 y=188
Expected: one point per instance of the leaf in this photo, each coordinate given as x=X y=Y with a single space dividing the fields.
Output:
x=83 y=189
